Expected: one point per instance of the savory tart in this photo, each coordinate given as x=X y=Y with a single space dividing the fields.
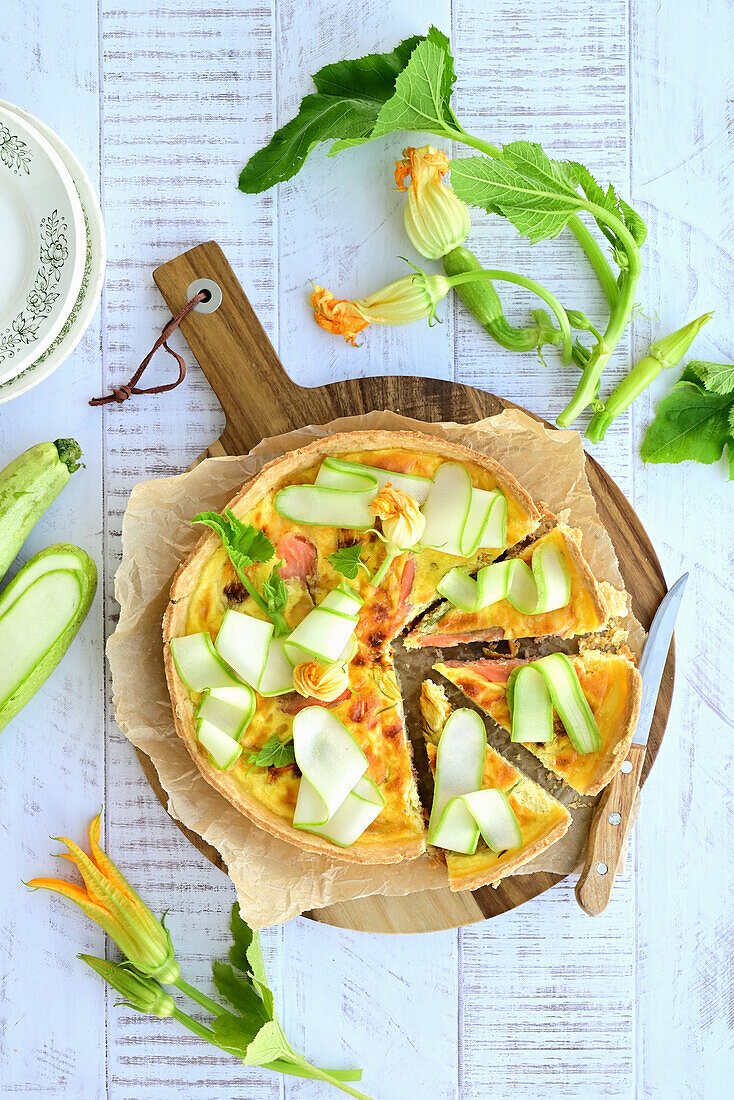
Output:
x=611 y=685
x=539 y=819
x=588 y=607
x=277 y=635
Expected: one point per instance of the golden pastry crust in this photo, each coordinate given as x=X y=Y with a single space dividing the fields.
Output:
x=613 y=688
x=543 y=819
x=198 y=600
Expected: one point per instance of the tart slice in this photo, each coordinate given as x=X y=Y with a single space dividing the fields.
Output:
x=611 y=685
x=588 y=604
x=540 y=819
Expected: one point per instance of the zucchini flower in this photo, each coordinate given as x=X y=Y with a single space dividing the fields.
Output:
x=662 y=354
x=323 y=682
x=403 y=524
x=435 y=219
x=109 y=900
x=412 y=298
x=142 y=994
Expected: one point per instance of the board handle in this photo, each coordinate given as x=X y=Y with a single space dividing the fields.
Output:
x=234 y=352
x=608 y=833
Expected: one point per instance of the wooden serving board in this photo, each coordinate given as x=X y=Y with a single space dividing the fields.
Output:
x=259 y=400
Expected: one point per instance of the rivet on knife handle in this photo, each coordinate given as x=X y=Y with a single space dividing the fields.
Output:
x=608 y=834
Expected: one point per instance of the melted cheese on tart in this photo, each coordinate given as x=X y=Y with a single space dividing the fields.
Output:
x=542 y=820
x=372 y=712
x=611 y=684
x=585 y=612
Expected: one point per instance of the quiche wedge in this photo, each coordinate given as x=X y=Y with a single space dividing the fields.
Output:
x=206 y=587
x=541 y=818
x=611 y=685
x=589 y=608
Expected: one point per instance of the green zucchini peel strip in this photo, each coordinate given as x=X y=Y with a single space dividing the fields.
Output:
x=461 y=519
x=335 y=798
x=462 y=810
x=534 y=589
x=551 y=685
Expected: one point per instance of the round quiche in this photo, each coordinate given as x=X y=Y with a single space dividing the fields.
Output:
x=207 y=587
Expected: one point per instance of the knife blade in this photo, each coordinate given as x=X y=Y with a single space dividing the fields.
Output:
x=654 y=656
x=612 y=814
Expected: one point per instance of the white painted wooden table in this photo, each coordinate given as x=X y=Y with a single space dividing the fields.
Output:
x=163 y=104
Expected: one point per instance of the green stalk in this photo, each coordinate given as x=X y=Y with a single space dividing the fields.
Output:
x=323 y=1075
x=530 y=284
x=390 y=556
x=193 y=1025
x=596 y=257
x=200 y=998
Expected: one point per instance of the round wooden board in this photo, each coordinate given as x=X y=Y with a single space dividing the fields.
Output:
x=236 y=357
x=436 y=910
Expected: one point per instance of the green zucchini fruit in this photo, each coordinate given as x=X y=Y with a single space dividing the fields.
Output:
x=27 y=486
x=41 y=611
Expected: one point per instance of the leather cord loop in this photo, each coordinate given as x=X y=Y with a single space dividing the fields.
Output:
x=120 y=394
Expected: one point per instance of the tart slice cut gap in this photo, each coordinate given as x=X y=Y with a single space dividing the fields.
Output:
x=522 y=813
x=611 y=685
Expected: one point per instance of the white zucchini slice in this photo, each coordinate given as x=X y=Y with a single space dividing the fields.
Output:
x=277 y=676
x=319 y=506
x=330 y=761
x=222 y=749
x=342 y=601
x=495 y=818
x=198 y=663
x=243 y=642
x=447 y=508
x=230 y=709
x=459 y=770
x=531 y=706
x=358 y=810
x=415 y=486
x=563 y=692
x=531 y=591
x=323 y=634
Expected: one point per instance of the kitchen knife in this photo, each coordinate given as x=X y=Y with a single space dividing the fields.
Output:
x=611 y=820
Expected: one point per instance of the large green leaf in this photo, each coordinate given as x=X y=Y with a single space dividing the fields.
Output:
x=241 y=994
x=422 y=91
x=690 y=424
x=346 y=105
x=716 y=377
x=538 y=202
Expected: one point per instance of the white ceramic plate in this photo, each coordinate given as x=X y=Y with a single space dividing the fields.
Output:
x=43 y=236
x=93 y=275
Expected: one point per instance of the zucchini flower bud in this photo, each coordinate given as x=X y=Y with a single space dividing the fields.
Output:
x=323 y=682
x=403 y=524
x=436 y=220
x=109 y=900
x=142 y=994
x=663 y=353
x=412 y=298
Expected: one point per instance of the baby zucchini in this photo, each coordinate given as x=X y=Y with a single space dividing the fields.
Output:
x=27 y=487
x=41 y=611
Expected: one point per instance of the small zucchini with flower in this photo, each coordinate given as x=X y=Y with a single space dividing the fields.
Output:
x=41 y=611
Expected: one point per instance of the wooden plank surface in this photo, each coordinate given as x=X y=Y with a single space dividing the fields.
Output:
x=170 y=100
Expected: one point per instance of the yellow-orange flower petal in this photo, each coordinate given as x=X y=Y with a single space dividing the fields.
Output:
x=436 y=220
x=403 y=523
x=424 y=166
x=324 y=682
x=337 y=315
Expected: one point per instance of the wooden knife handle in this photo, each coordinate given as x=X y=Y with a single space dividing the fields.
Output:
x=608 y=835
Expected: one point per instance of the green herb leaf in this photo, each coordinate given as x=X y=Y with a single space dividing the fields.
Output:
x=274 y=754
x=690 y=424
x=244 y=544
x=234 y=1033
x=247 y=956
x=716 y=377
x=422 y=91
x=242 y=995
x=268 y=1045
x=275 y=592
x=346 y=105
x=347 y=561
x=538 y=195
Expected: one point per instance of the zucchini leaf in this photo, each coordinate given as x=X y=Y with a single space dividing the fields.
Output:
x=716 y=377
x=346 y=105
x=241 y=994
x=422 y=91
x=691 y=423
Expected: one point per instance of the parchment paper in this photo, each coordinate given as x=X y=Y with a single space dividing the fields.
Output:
x=276 y=880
